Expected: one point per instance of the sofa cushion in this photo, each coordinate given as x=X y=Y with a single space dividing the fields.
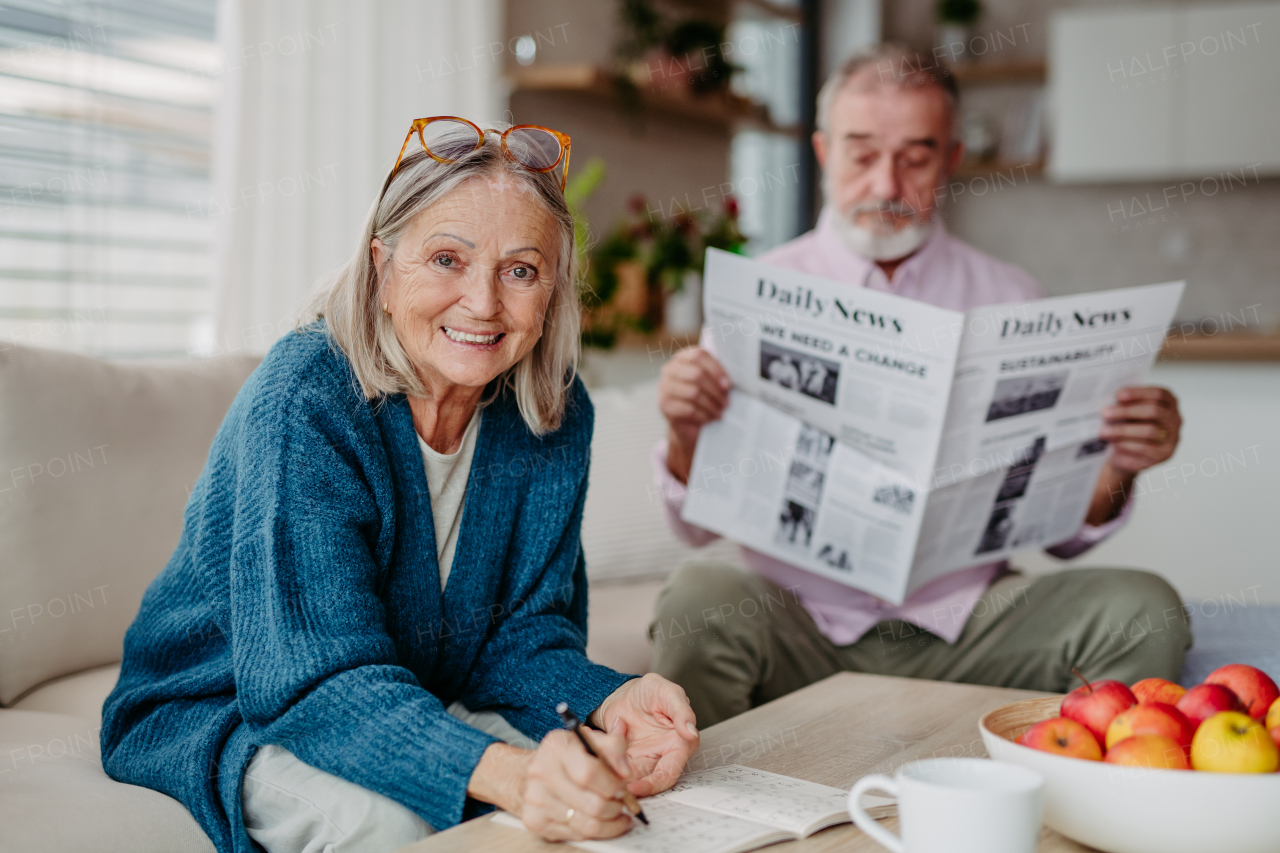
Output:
x=64 y=801
x=618 y=618
x=1230 y=631
x=96 y=462
x=624 y=526
x=80 y=694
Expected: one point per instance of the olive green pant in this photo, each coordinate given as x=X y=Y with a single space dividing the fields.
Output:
x=734 y=640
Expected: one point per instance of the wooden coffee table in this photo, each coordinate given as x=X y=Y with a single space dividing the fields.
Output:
x=833 y=732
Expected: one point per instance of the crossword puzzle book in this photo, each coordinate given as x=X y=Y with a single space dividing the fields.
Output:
x=730 y=809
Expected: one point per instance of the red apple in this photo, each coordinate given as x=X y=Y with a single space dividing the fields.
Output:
x=1204 y=700
x=1062 y=737
x=1095 y=705
x=1157 y=690
x=1154 y=719
x=1275 y=735
x=1253 y=686
x=1155 y=751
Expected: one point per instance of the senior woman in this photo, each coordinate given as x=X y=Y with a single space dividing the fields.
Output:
x=379 y=590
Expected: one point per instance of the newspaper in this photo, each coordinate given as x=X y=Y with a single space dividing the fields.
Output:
x=883 y=442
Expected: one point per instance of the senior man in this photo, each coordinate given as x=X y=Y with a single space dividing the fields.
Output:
x=886 y=147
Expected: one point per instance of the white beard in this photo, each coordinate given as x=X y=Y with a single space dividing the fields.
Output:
x=878 y=246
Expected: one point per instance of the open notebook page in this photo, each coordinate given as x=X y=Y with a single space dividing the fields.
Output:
x=677 y=828
x=729 y=809
x=794 y=805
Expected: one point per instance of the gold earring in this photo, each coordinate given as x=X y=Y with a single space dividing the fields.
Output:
x=384 y=309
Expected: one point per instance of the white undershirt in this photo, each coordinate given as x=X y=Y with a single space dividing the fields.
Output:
x=447 y=476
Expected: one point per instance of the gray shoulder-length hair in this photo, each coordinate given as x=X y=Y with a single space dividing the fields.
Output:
x=350 y=302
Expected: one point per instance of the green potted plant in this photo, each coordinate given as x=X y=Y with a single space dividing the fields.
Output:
x=646 y=273
x=676 y=56
x=955 y=20
x=683 y=307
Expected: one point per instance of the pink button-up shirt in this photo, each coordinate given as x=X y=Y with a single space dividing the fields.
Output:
x=943 y=272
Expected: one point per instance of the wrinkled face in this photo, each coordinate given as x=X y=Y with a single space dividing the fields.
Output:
x=469 y=283
x=885 y=151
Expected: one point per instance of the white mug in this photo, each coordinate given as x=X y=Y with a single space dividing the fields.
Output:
x=957 y=805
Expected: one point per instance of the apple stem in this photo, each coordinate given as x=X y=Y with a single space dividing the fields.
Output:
x=1076 y=673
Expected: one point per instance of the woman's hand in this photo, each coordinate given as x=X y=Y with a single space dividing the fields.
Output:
x=654 y=716
x=559 y=791
x=650 y=733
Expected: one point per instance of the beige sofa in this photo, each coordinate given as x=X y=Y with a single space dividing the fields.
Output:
x=96 y=462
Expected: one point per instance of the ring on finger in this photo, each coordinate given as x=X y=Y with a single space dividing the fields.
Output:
x=1162 y=435
x=568 y=816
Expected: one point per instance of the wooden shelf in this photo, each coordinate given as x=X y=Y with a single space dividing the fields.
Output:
x=722 y=11
x=1225 y=347
x=1018 y=171
x=721 y=108
x=776 y=10
x=1030 y=71
x=571 y=78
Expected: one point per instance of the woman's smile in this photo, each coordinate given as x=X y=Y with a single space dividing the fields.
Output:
x=475 y=340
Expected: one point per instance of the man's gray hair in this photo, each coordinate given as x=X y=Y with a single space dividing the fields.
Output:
x=888 y=64
x=351 y=304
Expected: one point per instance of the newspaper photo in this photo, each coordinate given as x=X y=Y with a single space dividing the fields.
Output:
x=883 y=442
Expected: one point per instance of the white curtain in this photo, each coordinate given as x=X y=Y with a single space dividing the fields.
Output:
x=316 y=99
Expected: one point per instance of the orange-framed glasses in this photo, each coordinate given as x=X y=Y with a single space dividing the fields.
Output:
x=446 y=138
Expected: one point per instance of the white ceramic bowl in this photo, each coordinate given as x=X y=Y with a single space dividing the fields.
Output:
x=1137 y=810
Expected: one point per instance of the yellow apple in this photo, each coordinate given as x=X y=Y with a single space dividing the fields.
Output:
x=1232 y=742
x=1273 y=715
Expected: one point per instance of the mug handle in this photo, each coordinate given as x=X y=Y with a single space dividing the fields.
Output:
x=866 y=822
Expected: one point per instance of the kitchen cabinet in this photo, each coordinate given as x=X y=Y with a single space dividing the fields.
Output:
x=1164 y=92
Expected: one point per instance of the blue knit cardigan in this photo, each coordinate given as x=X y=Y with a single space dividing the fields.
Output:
x=302 y=606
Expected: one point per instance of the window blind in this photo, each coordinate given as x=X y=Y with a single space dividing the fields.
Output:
x=106 y=113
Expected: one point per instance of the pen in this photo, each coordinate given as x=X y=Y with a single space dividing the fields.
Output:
x=571 y=723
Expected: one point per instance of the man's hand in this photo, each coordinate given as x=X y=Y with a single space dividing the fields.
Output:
x=654 y=716
x=1143 y=428
x=693 y=390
